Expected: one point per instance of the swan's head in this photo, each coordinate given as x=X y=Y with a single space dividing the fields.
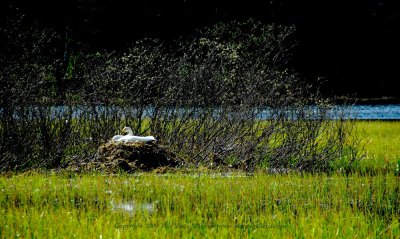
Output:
x=127 y=130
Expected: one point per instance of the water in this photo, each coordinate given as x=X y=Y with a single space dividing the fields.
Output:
x=368 y=112
x=359 y=112
x=132 y=207
x=375 y=112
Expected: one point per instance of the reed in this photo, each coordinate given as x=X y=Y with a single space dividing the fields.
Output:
x=37 y=205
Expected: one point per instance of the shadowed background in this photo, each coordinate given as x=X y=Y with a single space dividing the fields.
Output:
x=352 y=47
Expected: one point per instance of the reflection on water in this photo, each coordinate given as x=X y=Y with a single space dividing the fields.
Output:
x=132 y=207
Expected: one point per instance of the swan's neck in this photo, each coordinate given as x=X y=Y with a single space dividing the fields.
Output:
x=129 y=131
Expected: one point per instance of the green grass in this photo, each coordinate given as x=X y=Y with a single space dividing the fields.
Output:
x=382 y=144
x=212 y=205
x=90 y=206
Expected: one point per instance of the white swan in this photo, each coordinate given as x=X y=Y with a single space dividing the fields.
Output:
x=132 y=138
x=116 y=138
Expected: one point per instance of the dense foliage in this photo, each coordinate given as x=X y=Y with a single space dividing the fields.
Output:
x=224 y=97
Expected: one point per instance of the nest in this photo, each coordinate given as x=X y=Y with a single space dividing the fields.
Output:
x=129 y=157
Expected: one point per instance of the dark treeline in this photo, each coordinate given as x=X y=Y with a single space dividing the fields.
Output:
x=352 y=46
x=71 y=76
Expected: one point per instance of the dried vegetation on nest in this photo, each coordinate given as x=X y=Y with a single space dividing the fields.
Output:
x=129 y=157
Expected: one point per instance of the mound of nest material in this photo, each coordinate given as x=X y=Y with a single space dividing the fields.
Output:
x=131 y=157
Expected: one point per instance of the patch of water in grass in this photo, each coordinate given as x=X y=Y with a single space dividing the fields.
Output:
x=132 y=207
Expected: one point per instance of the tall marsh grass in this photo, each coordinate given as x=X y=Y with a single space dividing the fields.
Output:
x=214 y=205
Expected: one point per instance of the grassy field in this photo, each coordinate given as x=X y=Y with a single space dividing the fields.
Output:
x=382 y=144
x=212 y=205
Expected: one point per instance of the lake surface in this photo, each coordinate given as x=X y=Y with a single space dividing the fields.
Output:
x=375 y=112
x=358 y=112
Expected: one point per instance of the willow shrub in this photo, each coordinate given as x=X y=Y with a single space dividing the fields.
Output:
x=224 y=97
